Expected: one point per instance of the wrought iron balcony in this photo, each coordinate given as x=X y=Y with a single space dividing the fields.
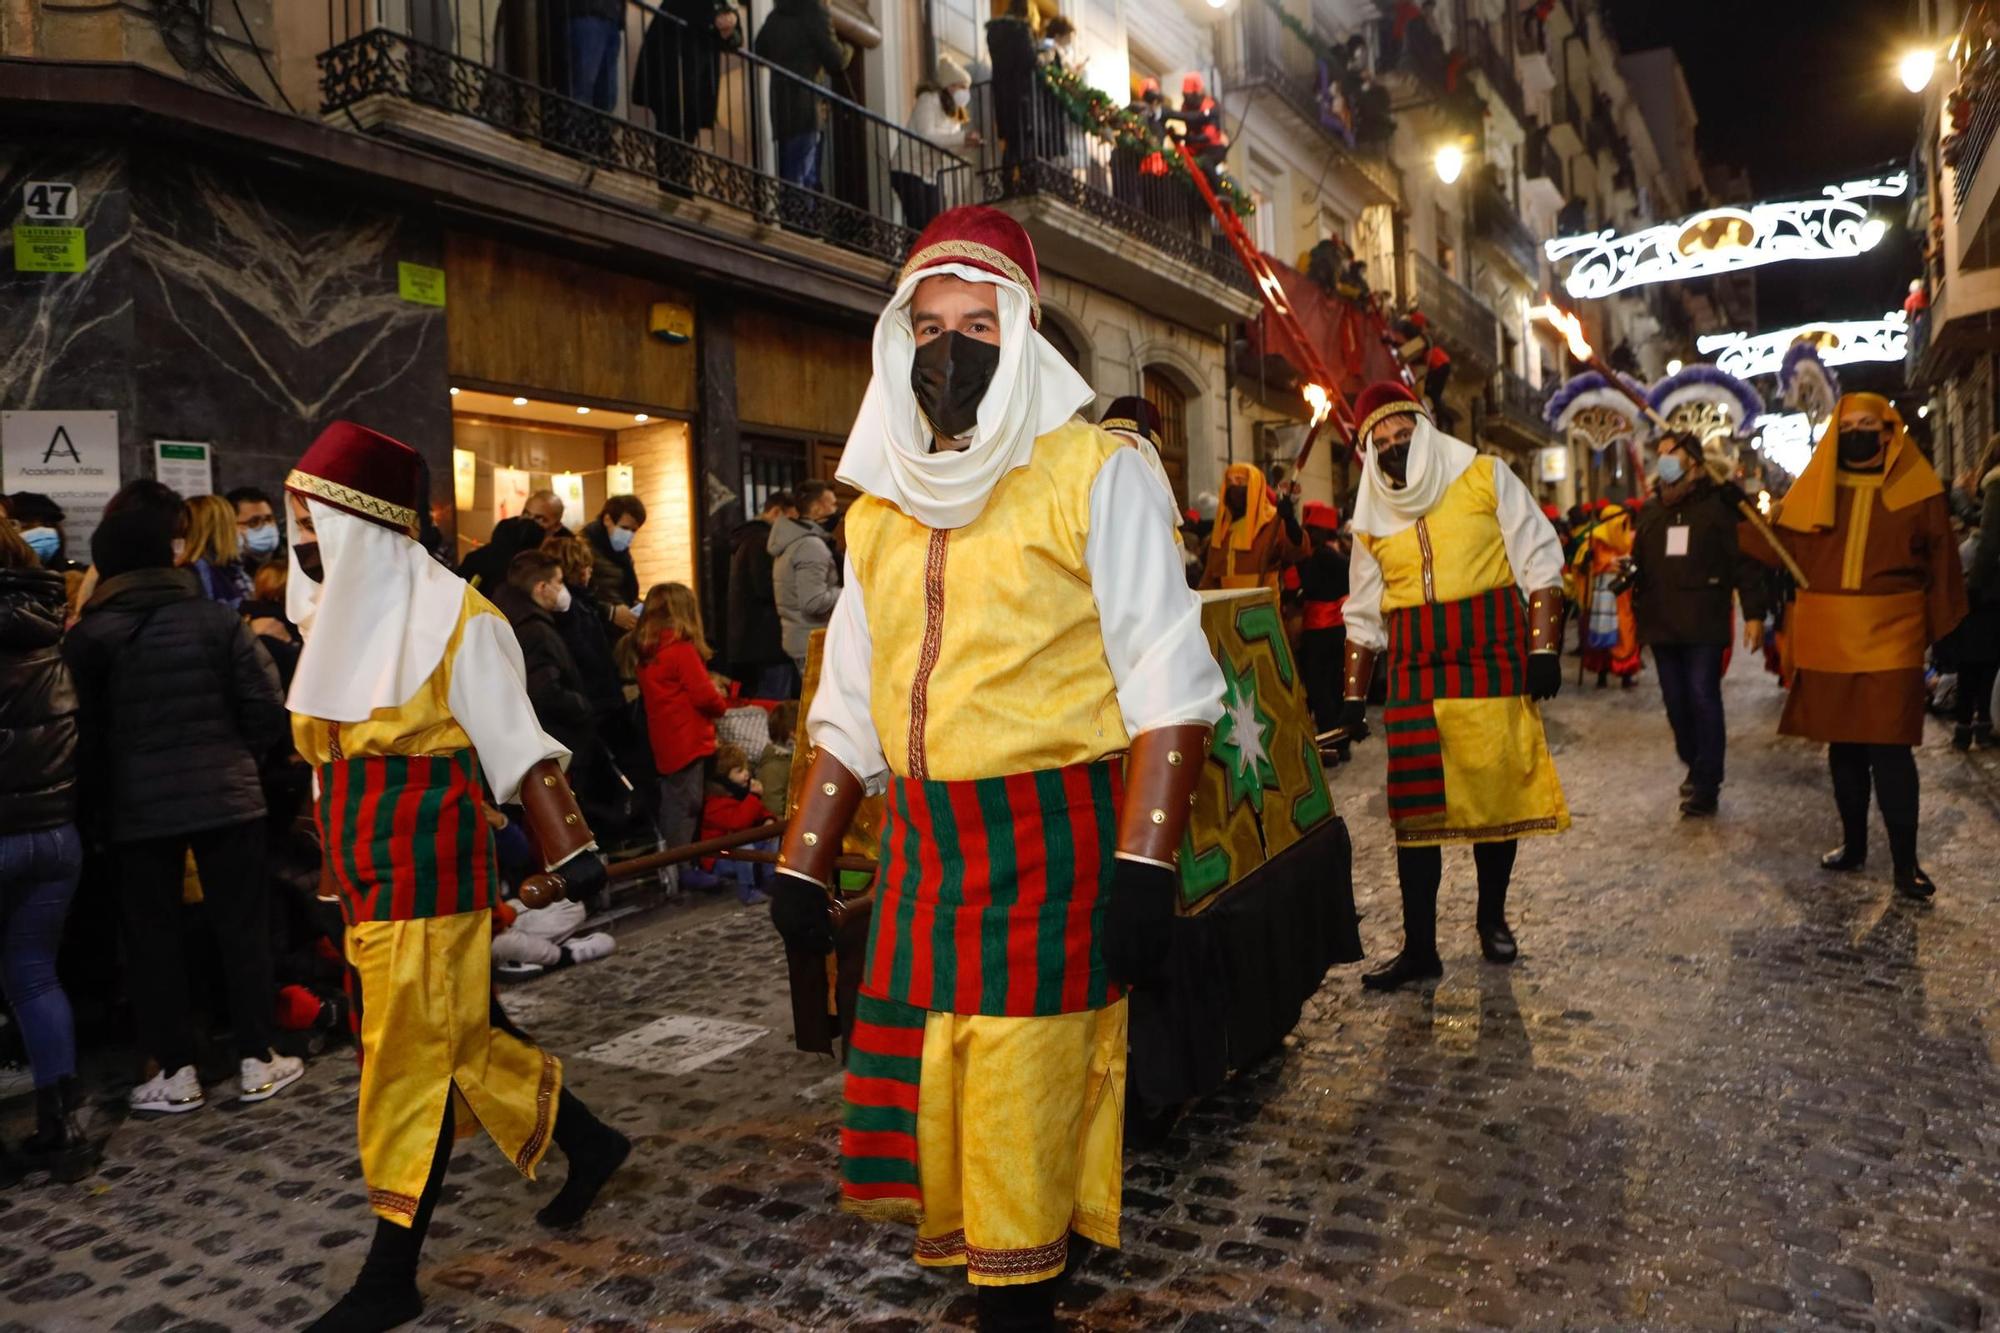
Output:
x=1467 y=327
x=1513 y=402
x=759 y=139
x=1277 y=59
x=1493 y=63
x=1496 y=222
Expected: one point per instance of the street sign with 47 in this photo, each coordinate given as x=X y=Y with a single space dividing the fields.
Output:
x=49 y=201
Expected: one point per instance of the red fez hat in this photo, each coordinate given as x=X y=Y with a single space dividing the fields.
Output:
x=1320 y=514
x=1193 y=84
x=982 y=238
x=364 y=473
x=1382 y=400
x=1133 y=413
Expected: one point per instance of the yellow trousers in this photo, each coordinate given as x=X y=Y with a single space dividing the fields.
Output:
x=1020 y=1140
x=427 y=1034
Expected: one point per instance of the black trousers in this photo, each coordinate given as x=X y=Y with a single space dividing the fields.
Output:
x=1321 y=654
x=1419 y=871
x=1975 y=692
x=236 y=905
x=1891 y=770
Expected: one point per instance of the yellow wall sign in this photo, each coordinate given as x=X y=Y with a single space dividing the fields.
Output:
x=420 y=284
x=48 y=249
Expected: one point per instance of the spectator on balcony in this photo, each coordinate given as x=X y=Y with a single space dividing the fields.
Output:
x=1374 y=125
x=679 y=74
x=1010 y=43
x=594 y=33
x=1057 y=48
x=1132 y=165
x=939 y=128
x=1202 y=130
x=798 y=38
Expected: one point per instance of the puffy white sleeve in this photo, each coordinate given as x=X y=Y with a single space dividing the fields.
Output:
x=841 y=721
x=1150 y=618
x=1533 y=548
x=1363 y=608
x=489 y=697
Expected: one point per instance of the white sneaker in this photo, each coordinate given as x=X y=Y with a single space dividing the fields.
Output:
x=589 y=948
x=168 y=1094
x=265 y=1079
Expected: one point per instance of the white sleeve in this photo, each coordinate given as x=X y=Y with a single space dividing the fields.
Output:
x=1149 y=617
x=841 y=721
x=1533 y=548
x=489 y=697
x=1363 y=608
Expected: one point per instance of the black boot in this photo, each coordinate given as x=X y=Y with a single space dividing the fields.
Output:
x=384 y=1294
x=1495 y=863
x=594 y=1150
x=58 y=1145
x=1026 y=1308
x=1851 y=786
x=1911 y=881
x=1418 y=870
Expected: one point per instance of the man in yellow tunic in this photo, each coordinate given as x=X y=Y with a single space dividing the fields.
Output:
x=409 y=690
x=1868 y=525
x=1013 y=621
x=1457 y=577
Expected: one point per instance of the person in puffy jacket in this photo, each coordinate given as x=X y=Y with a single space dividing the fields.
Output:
x=178 y=701
x=682 y=704
x=41 y=855
x=804 y=579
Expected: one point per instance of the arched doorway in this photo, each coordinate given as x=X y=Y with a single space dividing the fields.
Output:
x=1171 y=402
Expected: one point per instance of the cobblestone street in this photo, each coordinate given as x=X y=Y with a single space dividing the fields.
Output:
x=1721 y=1090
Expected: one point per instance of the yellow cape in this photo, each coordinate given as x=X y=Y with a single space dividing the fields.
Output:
x=1907 y=477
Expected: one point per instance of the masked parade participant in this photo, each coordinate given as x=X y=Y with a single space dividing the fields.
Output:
x=1688 y=562
x=1256 y=534
x=1014 y=619
x=1868 y=524
x=1611 y=630
x=1457 y=577
x=409 y=691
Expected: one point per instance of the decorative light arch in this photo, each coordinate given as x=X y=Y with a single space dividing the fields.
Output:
x=1724 y=239
x=1841 y=342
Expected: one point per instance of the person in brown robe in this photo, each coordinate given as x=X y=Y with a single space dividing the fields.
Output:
x=1256 y=535
x=1868 y=525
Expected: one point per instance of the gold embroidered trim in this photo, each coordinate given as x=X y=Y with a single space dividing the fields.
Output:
x=1127 y=424
x=951 y=1245
x=545 y=1095
x=927 y=656
x=1430 y=570
x=403 y=1205
x=1017 y=1263
x=1384 y=412
x=984 y=254
x=355 y=502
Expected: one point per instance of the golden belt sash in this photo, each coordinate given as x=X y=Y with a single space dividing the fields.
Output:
x=1853 y=632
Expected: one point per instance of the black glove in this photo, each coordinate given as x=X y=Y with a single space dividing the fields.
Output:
x=1545 y=675
x=1734 y=494
x=583 y=874
x=1139 y=922
x=1354 y=717
x=799 y=911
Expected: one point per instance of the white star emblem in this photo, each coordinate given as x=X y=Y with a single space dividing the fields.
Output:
x=1246 y=732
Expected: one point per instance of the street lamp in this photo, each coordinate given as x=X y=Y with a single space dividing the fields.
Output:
x=1449 y=162
x=1916 y=68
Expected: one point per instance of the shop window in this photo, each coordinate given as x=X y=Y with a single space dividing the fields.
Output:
x=1170 y=401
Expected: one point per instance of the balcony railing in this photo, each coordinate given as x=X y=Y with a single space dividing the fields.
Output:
x=695 y=119
x=1540 y=160
x=1494 y=63
x=1499 y=225
x=1517 y=402
x=1964 y=151
x=1454 y=311
x=1276 y=58
x=1037 y=149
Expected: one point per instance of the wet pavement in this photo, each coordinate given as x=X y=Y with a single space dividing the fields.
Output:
x=1720 y=1090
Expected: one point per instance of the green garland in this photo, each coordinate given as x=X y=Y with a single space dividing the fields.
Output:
x=1093 y=110
x=1321 y=51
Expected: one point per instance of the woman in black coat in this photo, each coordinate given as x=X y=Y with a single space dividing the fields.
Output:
x=41 y=856
x=178 y=704
x=679 y=74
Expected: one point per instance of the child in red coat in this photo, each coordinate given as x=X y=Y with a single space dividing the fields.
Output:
x=681 y=705
x=736 y=802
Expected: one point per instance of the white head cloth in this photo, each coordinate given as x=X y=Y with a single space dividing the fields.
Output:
x=889 y=452
x=1436 y=461
x=376 y=628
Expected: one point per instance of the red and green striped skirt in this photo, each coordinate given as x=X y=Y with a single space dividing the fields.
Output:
x=991 y=893
x=1475 y=648
x=405 y=836
x=878 y=1124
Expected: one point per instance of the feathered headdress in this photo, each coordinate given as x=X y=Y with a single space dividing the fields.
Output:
x=1590 y=410
x=1707 y=403
x=1804 y=382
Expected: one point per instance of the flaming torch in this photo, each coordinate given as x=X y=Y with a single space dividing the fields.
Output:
x=1320 y=401
x=1571 y=328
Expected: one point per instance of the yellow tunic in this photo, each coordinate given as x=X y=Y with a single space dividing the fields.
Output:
x=1500 y=781
x=427 y=992
x=988 y=661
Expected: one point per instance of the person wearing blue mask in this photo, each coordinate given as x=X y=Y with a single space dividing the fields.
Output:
x=614 y=580
x=258 y=536
x=39 y=521
x=1686 y=564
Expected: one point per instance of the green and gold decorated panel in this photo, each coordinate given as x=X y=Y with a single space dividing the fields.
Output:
x=1263 y=788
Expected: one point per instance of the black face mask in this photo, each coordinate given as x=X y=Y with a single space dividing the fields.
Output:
x=950 y=375
x=309 y=565
x=1859 y=446
x=1394 y=462
x=1236 y=499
